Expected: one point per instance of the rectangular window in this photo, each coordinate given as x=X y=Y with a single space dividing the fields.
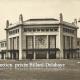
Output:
x=29 y=42
x=55 y=29
x=5 y=44
x=63 y=42
x=11 y=43
x=47 y=29
x=71 y=42
x=52 y=41
x=2 y=44
x=34 y=30
x=42 y=29
x=25 y=29
x=18 y=42
x=14 y=43
x=51 y=29
x=38 y=29
x=67 y=42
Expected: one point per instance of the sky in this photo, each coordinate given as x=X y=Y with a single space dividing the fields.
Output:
x=11 y=9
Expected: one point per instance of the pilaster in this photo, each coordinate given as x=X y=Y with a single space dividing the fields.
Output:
x=20 y=43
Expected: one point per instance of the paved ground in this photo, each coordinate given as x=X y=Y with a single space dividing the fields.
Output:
x=71 y=71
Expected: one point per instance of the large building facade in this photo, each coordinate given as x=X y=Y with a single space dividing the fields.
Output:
x=46 y=38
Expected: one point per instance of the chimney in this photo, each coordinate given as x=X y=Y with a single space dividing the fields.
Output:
x=7 y=23
x=21 y=18
x=61 y=17
x=75 y=21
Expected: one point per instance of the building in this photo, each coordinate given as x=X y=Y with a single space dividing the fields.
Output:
x=3 y=49
x=42 y=38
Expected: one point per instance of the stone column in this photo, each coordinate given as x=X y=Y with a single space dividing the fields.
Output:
x=20 y=43
x=60 y=36
x=20 y=36
x=61 y=41
x=7 y=25
x=34 y=47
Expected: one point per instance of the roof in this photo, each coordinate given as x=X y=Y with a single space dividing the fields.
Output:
x=42 y=21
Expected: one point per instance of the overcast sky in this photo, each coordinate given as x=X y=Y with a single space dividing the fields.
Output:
x=10 y=9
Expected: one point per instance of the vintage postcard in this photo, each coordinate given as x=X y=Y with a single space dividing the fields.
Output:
x=39 y=40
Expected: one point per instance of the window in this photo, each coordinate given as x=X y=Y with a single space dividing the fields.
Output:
x=42 y=29
x=67 y=42
x=68 y=30
x=38 y=29
x=2 y=44
x=29 y=42
x=18 y=30
x=25 y=29
x=14 y=43
x=11 y=43
x=18 y=42
x=52 y=41
x=63 y=42
x=47 y=29
x=34 y=30
x=13 y=31
x=51 y=29
x=5 y=44
x=55 y=29
x=71 y=42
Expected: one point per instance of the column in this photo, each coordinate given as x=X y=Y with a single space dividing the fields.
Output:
x=47 y=55
x=61 y=41
x=20 y=43
x=34 y=48
x=7 y=31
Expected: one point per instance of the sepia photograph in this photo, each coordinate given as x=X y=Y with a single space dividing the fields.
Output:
x=39 y=40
